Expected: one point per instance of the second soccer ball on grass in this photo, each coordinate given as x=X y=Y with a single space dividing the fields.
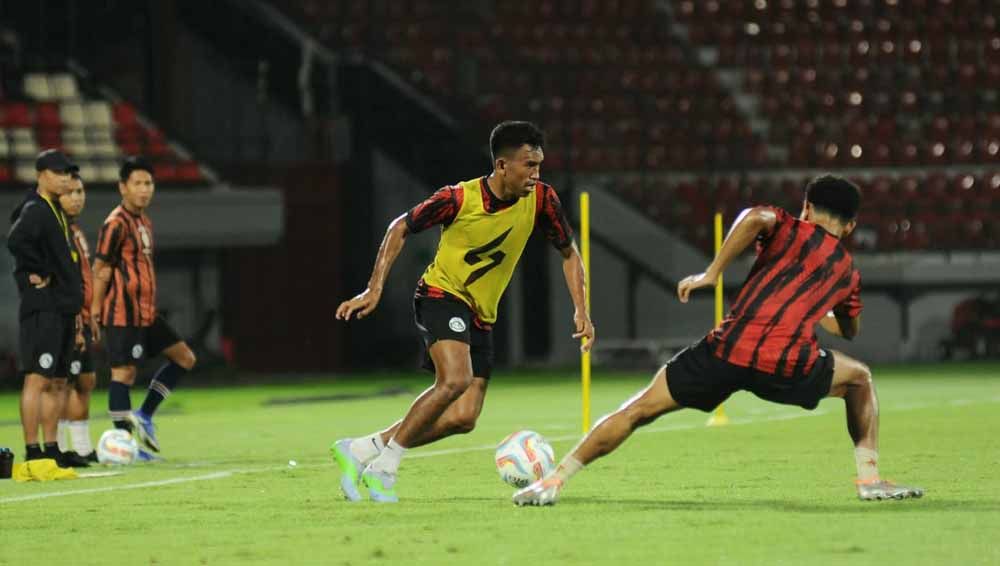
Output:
x=116 y=447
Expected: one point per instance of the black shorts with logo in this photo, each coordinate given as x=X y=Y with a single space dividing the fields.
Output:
x=444 y=319
x=82 y=361
x=698 y=379
x=129 y=345
x=46 y=343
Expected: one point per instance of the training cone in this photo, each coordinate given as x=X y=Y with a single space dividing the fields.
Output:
x=718 y=418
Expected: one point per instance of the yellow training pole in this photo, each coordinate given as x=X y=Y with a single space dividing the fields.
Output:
x=585 y=356
x=718 y=417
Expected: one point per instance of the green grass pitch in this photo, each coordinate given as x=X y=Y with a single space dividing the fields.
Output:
x=774 y=487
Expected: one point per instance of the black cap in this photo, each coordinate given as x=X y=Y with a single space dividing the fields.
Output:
x=55 y=160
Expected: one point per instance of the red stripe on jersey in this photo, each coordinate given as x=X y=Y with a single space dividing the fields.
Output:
x=800 y=274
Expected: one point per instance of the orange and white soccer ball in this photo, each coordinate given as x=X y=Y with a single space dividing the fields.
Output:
x=116 y=447
x=524 y=457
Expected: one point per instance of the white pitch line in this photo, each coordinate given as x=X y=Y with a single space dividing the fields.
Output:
x=448 y=451
x=212 y=476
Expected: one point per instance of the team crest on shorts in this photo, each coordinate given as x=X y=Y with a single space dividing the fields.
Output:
x=74 y=368
x=456 y=324
x=45 y=360
x=137 y=351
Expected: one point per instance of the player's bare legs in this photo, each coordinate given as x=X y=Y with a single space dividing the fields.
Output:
x=52 y=402
x=453 y=377
x=607 y=435
x=181 y=354
x=31 y=406
x=459 y=418
x=852 y=381
x=77 y=413
x=78 y=401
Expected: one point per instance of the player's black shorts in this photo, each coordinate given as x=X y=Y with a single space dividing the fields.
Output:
x=46 y=343
x=82 y=361
x=700 y=380
x=128 y=345
x=443 y=319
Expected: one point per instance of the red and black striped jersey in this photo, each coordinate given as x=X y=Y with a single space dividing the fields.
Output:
x=801 y=273
x=83 y=252
x=126 y=245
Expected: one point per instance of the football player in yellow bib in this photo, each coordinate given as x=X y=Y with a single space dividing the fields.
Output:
x=485 y=225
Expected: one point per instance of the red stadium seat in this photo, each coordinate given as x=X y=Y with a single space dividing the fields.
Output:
x=124 y=114
x=15 y=115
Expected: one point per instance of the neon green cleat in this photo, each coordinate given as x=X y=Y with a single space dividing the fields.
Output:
x=379 y=485
x=350 y=469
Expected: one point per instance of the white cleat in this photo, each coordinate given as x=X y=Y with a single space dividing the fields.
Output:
x=543 y=492
x=877 y=490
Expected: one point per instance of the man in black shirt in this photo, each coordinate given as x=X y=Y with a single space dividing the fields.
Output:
x=49 y=285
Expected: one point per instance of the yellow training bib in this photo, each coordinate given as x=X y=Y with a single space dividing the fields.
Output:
x=479 y=250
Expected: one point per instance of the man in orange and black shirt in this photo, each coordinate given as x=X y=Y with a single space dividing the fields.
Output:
x=124 y=304
x=74 y=421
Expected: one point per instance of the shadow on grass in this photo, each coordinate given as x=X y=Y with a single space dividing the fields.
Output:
x=922 y=505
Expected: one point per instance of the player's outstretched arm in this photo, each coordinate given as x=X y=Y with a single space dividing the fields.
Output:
x=748 y=225
x=102 y=276
x=366 y=301
x=576 y=283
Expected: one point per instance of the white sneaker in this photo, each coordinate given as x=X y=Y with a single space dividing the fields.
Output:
x=875 y=490
x=543 y=492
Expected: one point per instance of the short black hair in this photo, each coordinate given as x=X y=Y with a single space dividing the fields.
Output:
x=134 y=163
x=834 y=195
x=75 y=175
x=513 y=134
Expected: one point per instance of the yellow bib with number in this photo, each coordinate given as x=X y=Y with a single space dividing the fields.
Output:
x=479 y=250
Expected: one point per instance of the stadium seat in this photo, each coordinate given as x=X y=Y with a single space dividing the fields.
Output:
x=16 y=115
x=107 y=172
x=25 y=172
x=189 y=172
x=124 y=114
x=36 y=86
x=72 y=114
x=47 y=115
x=63 y=86
x=88 y=172
x=98 y=114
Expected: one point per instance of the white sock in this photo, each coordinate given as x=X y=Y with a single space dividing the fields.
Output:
x=867 y=462
x=366 y=448
x=567 y=468
x=79 y=432
x=61 y=435
x=388 y=460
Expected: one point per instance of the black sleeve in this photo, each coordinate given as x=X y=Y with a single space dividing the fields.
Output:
x=440 y=208
x=24 y=243
x=552 y=221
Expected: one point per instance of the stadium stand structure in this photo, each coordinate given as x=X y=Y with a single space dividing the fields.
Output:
x=93 y=125
x=717 y=104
